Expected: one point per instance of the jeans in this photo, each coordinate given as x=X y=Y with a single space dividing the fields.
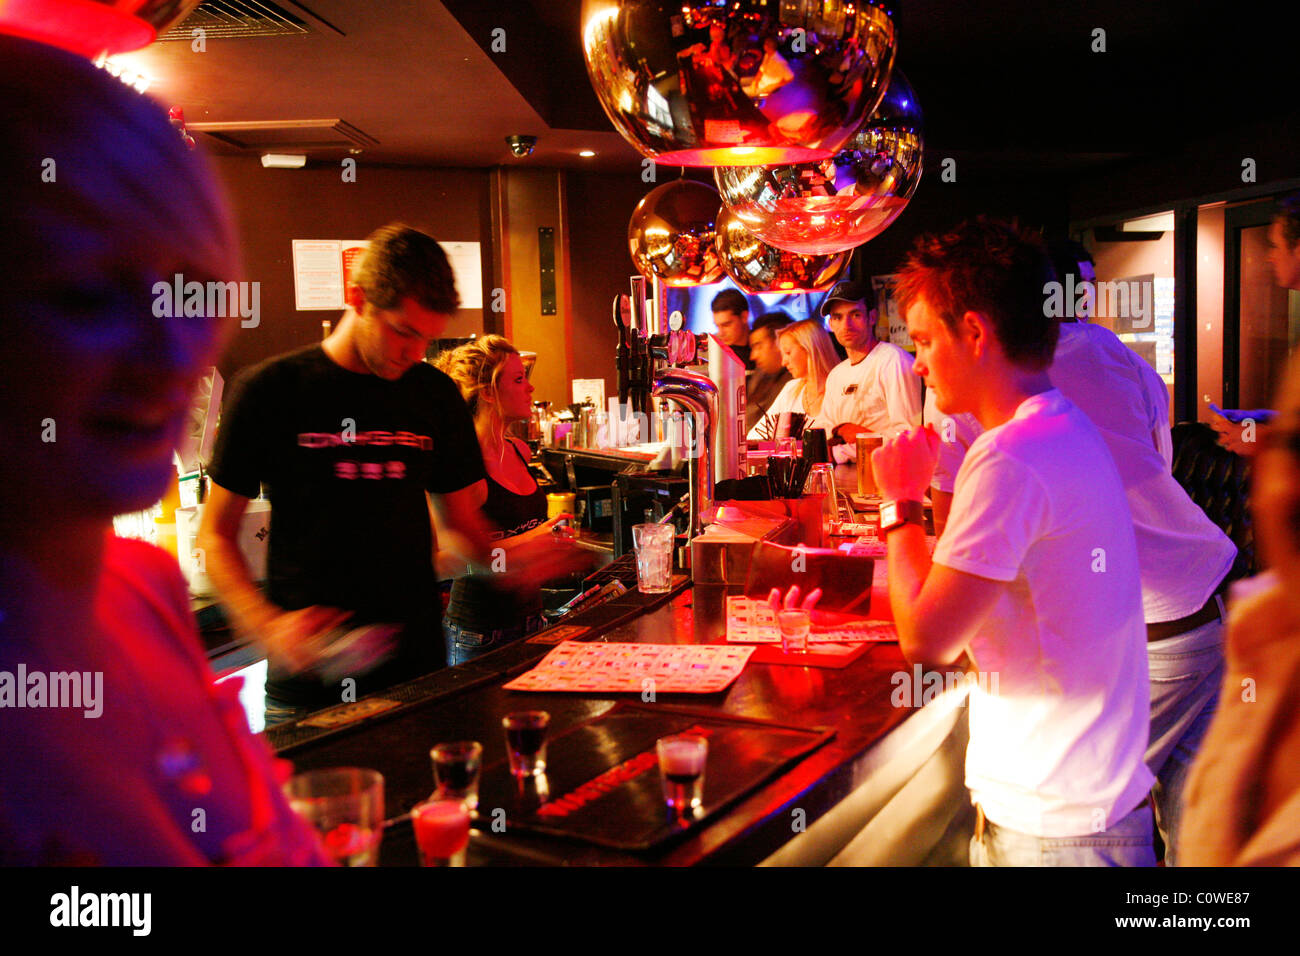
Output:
x=1186 y=672
x=1127 y=843
x=465 y=644
x=282 y=712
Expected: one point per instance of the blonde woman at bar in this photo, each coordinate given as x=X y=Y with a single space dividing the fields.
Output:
x=807 y=353
x=482 y=614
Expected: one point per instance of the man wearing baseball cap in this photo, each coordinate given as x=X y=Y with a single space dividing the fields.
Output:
x=874 y=389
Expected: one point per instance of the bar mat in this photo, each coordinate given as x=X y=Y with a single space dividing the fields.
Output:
x=560 y=633
x=833 y=656
x=602 y=782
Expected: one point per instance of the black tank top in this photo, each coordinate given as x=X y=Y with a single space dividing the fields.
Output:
x=476 y=602
x=514 y=513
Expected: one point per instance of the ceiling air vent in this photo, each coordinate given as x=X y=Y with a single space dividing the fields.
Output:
x=286 y=135
x=232 y=19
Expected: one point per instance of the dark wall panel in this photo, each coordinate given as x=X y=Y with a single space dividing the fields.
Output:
x=599 y=207
x=275 y=206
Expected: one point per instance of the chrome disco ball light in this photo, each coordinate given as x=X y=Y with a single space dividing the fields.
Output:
x=670 y=235
x=92 y=27
x=756 y=266
x=839 y=203
x=738 y=82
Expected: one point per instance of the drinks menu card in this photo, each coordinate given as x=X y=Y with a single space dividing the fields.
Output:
x=753 y=621
x=615 y=668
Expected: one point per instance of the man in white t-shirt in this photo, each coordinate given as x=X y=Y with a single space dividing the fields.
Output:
x=1037 y=573
x=1182 y=556
x=874 y=389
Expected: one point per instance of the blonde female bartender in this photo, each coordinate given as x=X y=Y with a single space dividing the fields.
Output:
x=483 y=615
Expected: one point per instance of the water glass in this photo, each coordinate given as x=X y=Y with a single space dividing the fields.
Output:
x=821 y=481
x=346 y=806
x=654 y=557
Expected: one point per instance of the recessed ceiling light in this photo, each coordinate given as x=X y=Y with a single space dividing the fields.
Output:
x=587 y=152
x=283 y=161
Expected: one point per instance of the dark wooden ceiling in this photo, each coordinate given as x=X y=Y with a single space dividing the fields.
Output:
x=1010 y=85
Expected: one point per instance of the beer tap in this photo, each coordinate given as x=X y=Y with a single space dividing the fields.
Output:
x=644 y=348
x=698 y=396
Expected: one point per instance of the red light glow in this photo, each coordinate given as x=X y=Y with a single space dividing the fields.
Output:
x=79 y=26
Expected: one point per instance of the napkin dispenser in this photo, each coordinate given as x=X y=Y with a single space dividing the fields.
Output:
x=722 y=554
x=845 y=579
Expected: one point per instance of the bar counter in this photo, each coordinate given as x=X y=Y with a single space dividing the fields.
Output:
x=887 y=788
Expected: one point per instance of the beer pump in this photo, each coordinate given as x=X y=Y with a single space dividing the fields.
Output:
x=640 y=348
x=651 y=363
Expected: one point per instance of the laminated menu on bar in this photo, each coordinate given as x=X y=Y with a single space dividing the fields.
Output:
x=625 y=668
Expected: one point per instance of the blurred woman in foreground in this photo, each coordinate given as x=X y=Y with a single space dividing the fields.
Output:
x=124 y=752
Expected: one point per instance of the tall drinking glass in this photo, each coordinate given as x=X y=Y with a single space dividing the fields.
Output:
x=866 y=477
x=821 y=481
x=654 y=557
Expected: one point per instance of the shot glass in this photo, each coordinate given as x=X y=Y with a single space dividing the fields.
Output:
x=346 y=806
x=526 y=741
x=795 y=625
x=681 y=764
x=456 y=771
x=654 y=557
x=441 y=832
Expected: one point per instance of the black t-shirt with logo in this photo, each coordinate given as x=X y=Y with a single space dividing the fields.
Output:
x=346 y=459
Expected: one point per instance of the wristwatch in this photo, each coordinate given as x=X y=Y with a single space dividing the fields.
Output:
x=895 y=514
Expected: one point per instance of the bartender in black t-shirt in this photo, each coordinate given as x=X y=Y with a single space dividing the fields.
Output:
x=354 y=438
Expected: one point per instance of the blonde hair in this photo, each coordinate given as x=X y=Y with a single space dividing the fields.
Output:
x=810 y=336
x=476 y=367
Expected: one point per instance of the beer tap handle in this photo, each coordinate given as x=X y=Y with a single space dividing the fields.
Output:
x=623 y=353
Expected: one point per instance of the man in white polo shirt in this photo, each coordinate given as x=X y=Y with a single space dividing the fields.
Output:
x=1036 y=575
x=874 y=389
